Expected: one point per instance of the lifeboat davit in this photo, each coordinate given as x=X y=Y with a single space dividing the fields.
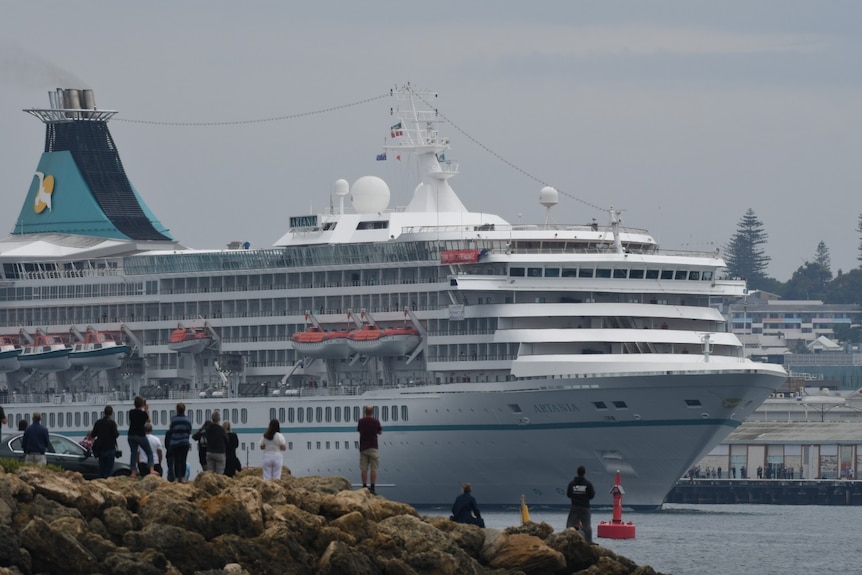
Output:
x=46 y=353
x=318 y=343
x=189 y=340
x=98 y=351
x=9 y=352
x=391 y=341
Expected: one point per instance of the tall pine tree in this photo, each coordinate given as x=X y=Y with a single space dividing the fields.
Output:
x=821 y=257
x=859 y=229
x=745 y=255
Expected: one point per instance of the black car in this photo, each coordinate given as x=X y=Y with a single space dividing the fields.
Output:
x=65 y=453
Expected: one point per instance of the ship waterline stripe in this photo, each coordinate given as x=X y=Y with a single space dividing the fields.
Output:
x=701 y=422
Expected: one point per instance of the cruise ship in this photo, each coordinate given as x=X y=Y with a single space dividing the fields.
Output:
x=504 y=355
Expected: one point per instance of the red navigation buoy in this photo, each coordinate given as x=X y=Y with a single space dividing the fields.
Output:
x=616 y=529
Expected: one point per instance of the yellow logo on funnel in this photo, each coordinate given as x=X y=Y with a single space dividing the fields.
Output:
x=43 y=195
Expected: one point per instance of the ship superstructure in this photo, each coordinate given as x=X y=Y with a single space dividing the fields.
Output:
x=504 y=355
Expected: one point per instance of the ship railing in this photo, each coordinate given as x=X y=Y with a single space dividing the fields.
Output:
x=88 y=398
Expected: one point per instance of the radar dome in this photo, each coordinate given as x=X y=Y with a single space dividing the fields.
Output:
x=548 y=196
x=342 y=188
x=369 y=194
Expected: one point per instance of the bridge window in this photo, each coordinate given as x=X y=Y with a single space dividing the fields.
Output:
x=652 y=274
x=516 y=272
x=620 y=274
x=636 y=274
x=603 y=273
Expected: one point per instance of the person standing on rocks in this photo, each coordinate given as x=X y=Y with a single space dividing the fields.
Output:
x=232 y=464
x=2 y=421
x=104 y=435
x=216 y=444
x=369 y=456
x=138 y=418
x=272 y=444
x=580 y=491
x=157 y=449
x=36 y=441
x=178 y=444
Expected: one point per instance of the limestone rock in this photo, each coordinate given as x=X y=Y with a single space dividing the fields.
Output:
x=525 y=553
x=58 y=523
x=50 y=548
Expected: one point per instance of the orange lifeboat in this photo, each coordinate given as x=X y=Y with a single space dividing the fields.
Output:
x=99 y=350
x=46 y=353
x=392 y=341
x=189 y=340
x=319 y=343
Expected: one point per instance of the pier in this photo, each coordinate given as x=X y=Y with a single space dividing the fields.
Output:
x=767 y=492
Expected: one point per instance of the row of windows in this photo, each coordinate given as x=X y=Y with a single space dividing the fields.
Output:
x=335 y=414
x=615 y=273
x=159 y=417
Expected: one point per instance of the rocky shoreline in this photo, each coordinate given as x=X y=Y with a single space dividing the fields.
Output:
x=53 y=522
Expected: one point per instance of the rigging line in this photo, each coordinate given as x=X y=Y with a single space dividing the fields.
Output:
x=257 y=121
x=507 y=162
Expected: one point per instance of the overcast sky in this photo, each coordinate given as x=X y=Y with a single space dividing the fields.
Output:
x=681 y=114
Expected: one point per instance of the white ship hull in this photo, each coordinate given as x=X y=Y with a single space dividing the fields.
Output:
x=458 y=433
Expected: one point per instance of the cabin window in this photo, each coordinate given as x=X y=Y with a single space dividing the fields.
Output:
x=394 y=413
x=347 y=413
x=516 y=272
x=534 y=272
x=585 y=272
x=706 y=276
x=243 y=415
x=385 y=413
x=570 y=272
x=620 y=274
x=328 y=414
x=652 y=274
x=681 y=275
x=692 y=403
x=603 y=273
x=281 y=414
x=52 y=422
x=309 y=414
x=338 y=414
x=300 y=415
x=620 y=405
x=552 y=272
x=600 y=405
x=291 y=414
x=356 y=415
x=272 y=413
x=636 y=274
x=667 y=274
x=318 y=414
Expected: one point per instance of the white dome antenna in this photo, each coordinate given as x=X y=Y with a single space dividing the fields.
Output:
x=548 y=197
x=341 y=188
x=369 y=194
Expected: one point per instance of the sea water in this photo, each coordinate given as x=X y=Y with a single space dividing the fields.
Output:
x=721 y=539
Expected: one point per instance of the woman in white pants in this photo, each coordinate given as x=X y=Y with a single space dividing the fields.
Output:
x=272 y=445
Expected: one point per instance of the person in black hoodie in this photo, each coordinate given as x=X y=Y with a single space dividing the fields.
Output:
x=580 y=491
x=232 y=464
x=104 y=436
x=201 y=437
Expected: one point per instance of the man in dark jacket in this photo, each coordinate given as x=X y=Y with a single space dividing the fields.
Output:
x=580 y=491
x=104 y=436
x=465 y=509
x=36 y=441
